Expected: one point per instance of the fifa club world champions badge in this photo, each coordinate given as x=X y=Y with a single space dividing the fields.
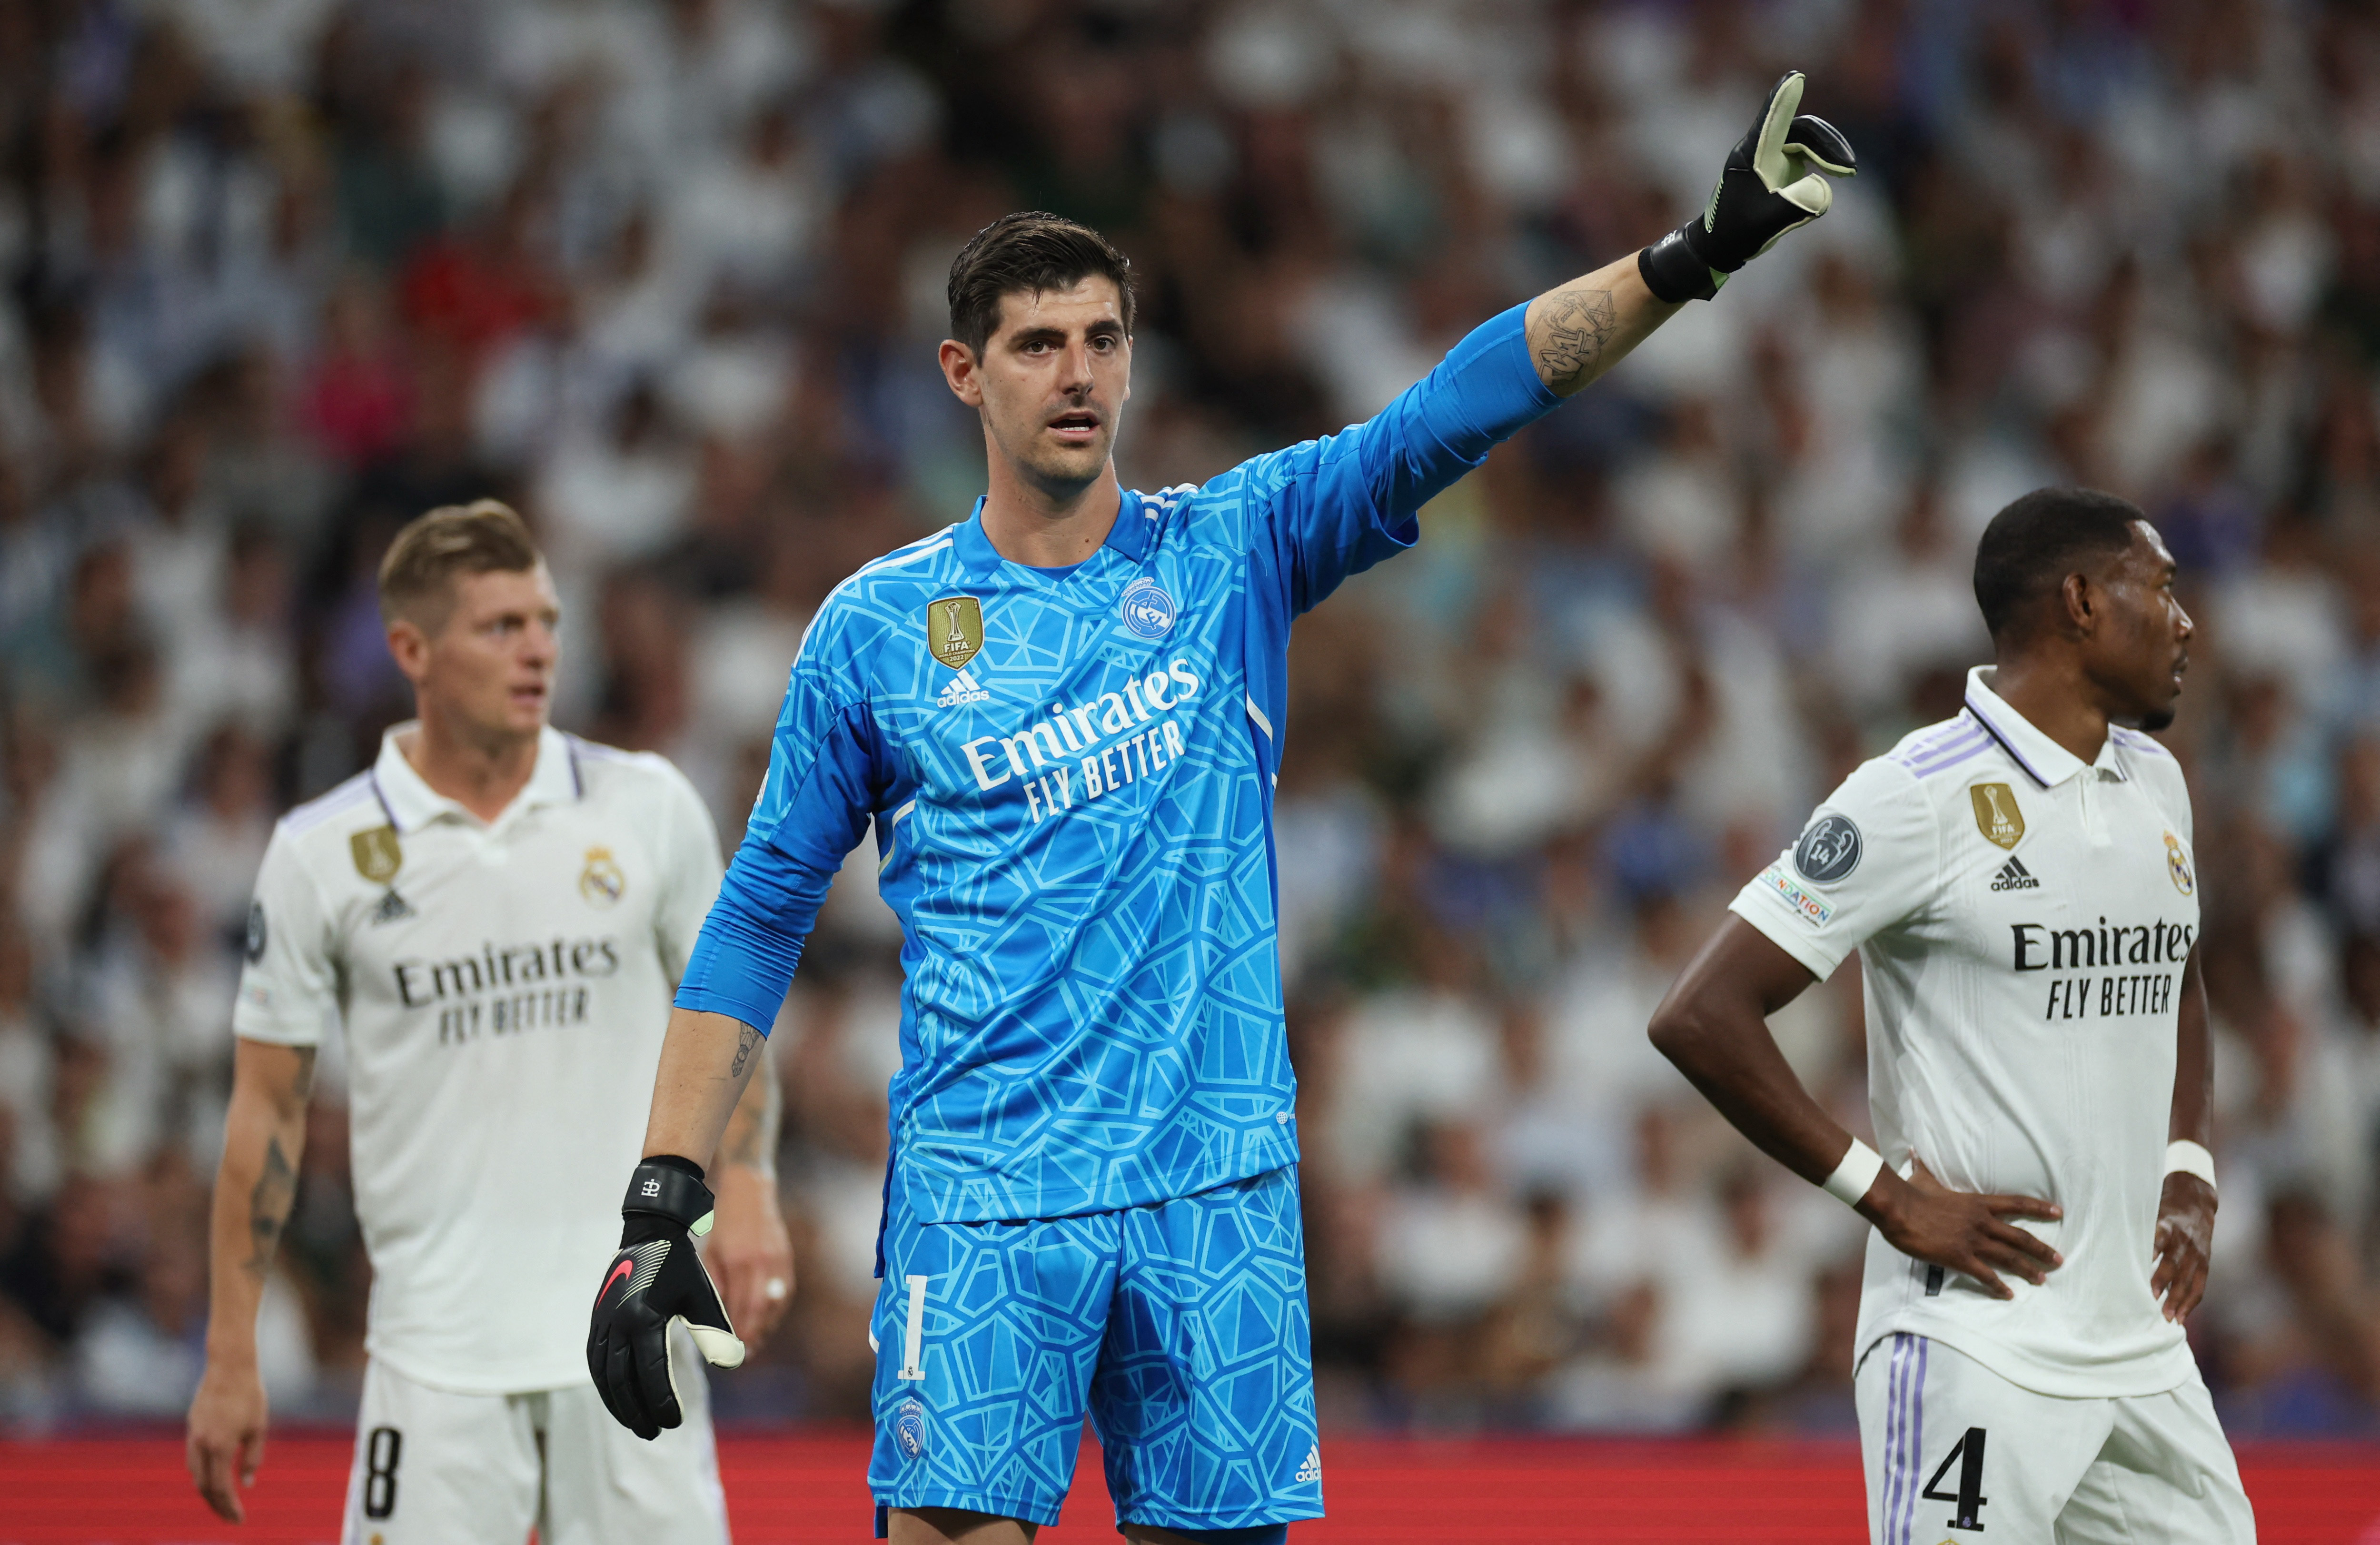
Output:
x=954 y=629
x=377 y=854
x=1996 y=816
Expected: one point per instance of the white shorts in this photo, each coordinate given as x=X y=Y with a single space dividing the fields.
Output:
x=438 y=1468
x=1954 y=1452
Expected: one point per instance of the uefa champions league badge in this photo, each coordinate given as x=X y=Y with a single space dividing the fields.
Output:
x=1829 y=850
x=1147 y=610
x=909 y=1427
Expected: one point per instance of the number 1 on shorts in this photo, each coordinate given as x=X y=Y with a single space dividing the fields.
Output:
x=912 y=1342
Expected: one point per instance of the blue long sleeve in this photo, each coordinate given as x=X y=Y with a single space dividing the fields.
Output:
x=825 y=776
x=752 y=941
x=1335 y=507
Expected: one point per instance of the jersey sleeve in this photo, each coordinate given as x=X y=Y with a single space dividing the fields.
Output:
x=828 y=770
x=288 y=985
x=1866 y=862
x=691 y=869
x=1339 y=504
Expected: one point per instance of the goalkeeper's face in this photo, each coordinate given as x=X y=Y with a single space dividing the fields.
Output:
x=486 y=665
x=1051 y=382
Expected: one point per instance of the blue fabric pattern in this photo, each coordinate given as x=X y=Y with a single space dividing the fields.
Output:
x=1074 y=815
x=1180 y=1329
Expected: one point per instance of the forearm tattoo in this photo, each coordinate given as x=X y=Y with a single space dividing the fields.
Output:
x=751 y=1137
x=268 y=1206
x=1571 y=332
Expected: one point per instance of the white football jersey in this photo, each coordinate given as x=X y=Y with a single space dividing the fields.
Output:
x=2022 y=919
x=503 y=990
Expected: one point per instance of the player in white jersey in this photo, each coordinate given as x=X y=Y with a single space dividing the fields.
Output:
x=2020 y=885
x=496 y=914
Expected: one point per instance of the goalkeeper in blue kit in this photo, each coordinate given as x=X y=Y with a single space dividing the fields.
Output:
x=1062 y=718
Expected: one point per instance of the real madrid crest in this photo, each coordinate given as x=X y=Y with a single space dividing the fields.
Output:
x=377 y=854
x=2177 y=866
x=1998 y=816
x=601 y=882
x=954 y=629
x=1147 y=610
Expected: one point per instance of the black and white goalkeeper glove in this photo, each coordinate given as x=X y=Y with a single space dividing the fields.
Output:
x=655 y=1279
x=1771 y=184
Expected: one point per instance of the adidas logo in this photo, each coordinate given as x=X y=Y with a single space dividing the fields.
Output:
x=1311 y=1471
x=963 y=689
x=2013 y=876
x=393 y=908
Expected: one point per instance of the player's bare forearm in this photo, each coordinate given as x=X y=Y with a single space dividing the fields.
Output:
x=2185 y=1230
x=1714 y=1026
x=749 y=1251
x=1579 y=330
x=2193 y=1070
x=706 y=1059
x=750 y=1139
x=264 y=1133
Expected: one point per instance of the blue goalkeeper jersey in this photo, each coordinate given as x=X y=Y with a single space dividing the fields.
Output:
x=1069 y=776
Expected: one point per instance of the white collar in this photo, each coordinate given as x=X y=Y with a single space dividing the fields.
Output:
x=412 y=804
x=2043 y=759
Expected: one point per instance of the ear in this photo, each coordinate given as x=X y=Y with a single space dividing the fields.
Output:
x=2079 y=597
x=963 y=372
x=409 y=647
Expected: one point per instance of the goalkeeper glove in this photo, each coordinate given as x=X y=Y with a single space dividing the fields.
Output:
x=1766 y=187
x=655 y=1279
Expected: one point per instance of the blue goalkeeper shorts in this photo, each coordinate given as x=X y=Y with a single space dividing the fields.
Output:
x=1179 y=1328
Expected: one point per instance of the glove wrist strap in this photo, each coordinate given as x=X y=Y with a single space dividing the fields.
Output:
x=1673 y=273
x=669 y=1192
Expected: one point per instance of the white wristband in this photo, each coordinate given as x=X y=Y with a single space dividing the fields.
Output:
x=2184 y=1157
x=1854 y=1175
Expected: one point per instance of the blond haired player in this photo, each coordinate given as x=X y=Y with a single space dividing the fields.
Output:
x=496 y=914
x=2020 y=886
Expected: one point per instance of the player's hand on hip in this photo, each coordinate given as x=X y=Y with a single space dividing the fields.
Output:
x=2185 y=1237
x=1967 y=1232
x=657 y=1278
x=227 y=1435
x=1773 y=181
x=749 y=1252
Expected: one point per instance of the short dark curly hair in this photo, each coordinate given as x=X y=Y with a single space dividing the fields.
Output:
x=2036 y=542
x=1027 y=253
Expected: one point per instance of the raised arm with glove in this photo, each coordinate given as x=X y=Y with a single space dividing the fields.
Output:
x=1772 y=183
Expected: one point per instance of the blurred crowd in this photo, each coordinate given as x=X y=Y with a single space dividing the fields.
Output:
x=667 y=274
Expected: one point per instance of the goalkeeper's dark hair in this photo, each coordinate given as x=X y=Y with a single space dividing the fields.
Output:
x=2033 y=546
x=1027 y=253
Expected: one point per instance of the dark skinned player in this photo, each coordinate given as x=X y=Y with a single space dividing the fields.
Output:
x=2020 y=885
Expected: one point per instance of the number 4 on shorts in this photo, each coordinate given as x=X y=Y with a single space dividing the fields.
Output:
x=1968 y=1499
